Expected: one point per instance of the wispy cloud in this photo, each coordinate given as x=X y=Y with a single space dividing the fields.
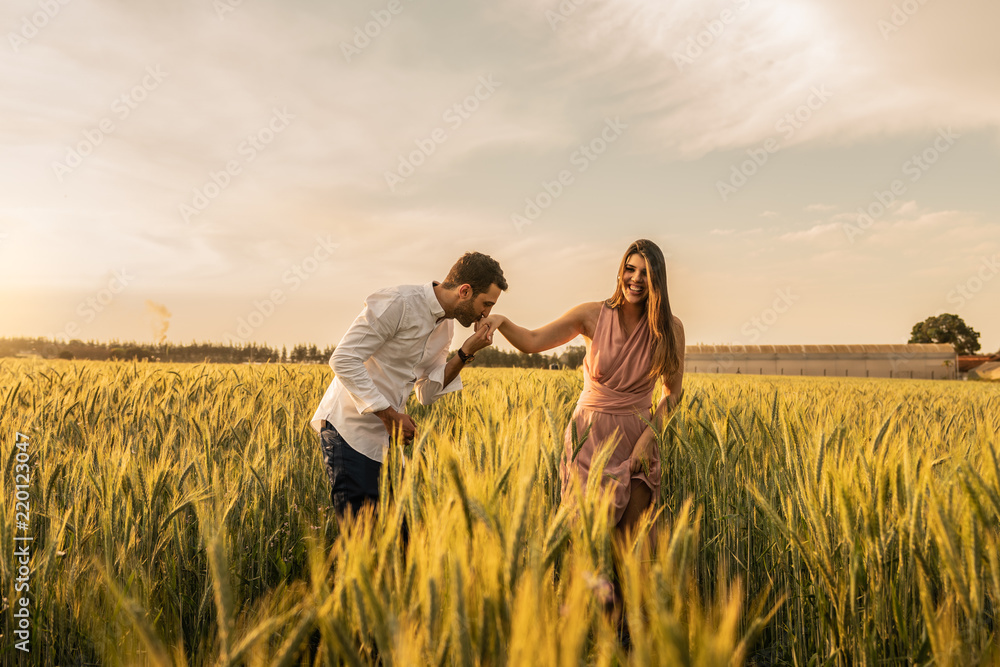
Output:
x=816 y=231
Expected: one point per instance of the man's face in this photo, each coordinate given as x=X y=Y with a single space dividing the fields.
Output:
x=470 y=309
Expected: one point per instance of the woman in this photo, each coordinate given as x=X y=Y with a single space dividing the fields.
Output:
x=632 y=339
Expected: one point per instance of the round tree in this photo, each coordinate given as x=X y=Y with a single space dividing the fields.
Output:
x=946 y=328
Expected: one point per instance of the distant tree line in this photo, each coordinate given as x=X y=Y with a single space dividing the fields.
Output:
x=491 y=357
x=247 y=352
x=168 y=352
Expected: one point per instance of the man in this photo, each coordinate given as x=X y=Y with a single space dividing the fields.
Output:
x=397 y=344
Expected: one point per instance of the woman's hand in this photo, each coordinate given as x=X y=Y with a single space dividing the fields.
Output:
x=642 y=453
x=482 y=337
x=494 y=322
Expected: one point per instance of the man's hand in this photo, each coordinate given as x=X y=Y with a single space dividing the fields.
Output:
x=482 y=338
x=398 y=422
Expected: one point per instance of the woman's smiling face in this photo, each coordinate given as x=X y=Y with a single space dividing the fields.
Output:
x=635 y=280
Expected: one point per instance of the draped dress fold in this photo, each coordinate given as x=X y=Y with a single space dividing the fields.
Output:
x=616 y=391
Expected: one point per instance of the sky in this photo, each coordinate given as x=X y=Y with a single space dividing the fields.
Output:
x=818 y=171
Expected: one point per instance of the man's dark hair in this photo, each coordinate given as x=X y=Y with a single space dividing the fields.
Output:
x=478 y=270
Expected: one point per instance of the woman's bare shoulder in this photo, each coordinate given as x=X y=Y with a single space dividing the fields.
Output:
x=588 y=313
x=588 y=310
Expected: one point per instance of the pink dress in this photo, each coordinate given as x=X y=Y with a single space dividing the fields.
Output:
x=616 y=390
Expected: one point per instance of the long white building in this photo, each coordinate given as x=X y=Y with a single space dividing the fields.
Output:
x=936 y=361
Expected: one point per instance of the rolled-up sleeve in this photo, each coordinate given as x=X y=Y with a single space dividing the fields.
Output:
x=430 y=385
x=378 y=321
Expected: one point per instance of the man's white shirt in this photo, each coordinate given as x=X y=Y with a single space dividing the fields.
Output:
x=397 y=344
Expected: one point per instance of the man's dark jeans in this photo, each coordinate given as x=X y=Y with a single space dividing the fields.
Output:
x=353 y=476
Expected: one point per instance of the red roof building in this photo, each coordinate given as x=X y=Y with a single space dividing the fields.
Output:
x=967 y=362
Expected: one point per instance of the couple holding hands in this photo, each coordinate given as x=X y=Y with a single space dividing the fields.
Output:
x=399 y=344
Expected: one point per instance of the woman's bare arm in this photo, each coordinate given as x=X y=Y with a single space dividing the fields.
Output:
x=580 y=320
x=674 y=384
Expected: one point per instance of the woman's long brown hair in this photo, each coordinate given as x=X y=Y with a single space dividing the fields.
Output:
x=666 y=357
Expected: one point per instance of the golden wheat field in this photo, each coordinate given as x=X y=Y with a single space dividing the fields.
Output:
x=179 y=516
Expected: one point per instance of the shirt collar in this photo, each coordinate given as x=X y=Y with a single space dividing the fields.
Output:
x=435 y=307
